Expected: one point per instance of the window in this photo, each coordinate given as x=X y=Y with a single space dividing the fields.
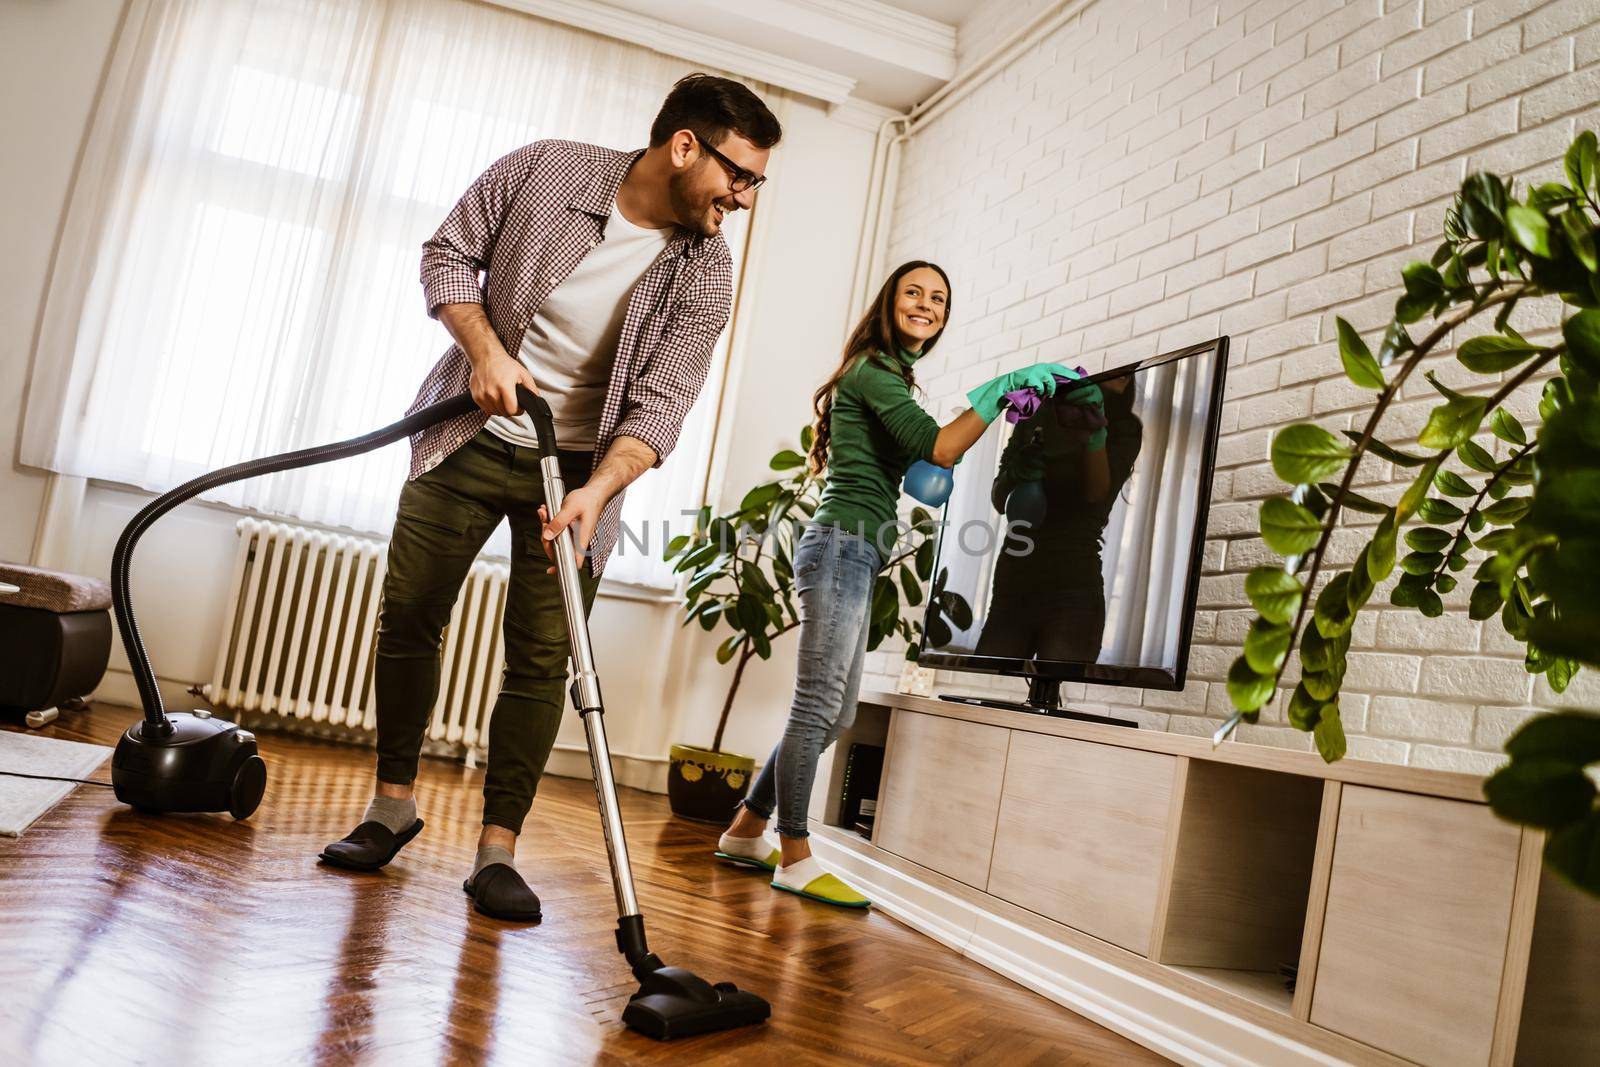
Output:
x=240 y=268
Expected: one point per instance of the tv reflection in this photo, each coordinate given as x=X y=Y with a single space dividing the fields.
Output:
x=1059 y=478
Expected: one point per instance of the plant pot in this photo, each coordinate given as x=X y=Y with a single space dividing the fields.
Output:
x=706 y=786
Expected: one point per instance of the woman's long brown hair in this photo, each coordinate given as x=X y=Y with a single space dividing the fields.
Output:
x=875 y=336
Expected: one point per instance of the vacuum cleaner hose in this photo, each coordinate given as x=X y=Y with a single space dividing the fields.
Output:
x=122 y=556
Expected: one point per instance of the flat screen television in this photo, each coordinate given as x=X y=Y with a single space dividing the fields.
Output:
x=1075 y=535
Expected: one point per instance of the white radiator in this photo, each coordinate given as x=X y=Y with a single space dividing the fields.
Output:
x=302 y=625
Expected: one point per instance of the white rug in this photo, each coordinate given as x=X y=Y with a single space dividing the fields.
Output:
x=23 y=800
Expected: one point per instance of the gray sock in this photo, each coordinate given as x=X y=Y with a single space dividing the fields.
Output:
x=397 y=815
x=488 y=854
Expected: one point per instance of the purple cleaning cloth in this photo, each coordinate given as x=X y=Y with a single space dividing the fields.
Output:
x=1024 y=404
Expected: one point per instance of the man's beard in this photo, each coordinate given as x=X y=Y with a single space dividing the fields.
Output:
x=690 y=214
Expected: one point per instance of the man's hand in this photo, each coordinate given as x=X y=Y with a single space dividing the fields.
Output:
x=581 y=510
x=495 y=372
x=494 y=384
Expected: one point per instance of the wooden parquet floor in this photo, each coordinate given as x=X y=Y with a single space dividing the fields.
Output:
x=130 y=939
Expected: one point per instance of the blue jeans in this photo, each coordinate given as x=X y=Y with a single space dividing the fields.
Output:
x=834 y=573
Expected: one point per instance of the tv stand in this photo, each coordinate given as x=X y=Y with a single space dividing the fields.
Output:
x=1044 y=698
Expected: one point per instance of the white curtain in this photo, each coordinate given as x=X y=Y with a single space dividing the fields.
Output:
x=238 y=272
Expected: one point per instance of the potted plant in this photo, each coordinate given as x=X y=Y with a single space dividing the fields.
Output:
x=741 y=577
x=1519 y=506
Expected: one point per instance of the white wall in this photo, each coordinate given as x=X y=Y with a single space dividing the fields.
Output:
x=1155 y=173
x=50 y=59
x=661 y=682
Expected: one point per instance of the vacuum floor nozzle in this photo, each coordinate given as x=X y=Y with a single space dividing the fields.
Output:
x=672 y=1002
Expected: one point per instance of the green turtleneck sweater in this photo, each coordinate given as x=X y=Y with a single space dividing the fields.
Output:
x=878 y=430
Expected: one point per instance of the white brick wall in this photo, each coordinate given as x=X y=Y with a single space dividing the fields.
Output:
x=1158 y=171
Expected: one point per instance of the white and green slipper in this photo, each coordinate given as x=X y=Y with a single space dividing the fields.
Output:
x=808 y=879
x=748 y=852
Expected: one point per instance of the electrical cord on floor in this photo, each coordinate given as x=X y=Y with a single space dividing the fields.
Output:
x=51 y=778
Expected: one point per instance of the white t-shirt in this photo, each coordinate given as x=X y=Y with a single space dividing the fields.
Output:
x=571 y=344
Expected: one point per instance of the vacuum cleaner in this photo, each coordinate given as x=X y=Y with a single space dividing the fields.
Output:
x=195 y=762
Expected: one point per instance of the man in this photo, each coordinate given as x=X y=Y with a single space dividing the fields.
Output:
x=606 y=284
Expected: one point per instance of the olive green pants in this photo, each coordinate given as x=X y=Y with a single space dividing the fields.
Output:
x=445 y=516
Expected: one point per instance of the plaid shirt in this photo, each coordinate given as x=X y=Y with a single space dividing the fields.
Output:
x=525 y=224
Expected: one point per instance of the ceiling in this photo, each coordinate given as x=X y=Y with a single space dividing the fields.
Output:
x=897 y=51
x=951 y=12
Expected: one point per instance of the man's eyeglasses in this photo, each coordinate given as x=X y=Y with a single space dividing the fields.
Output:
x=742 y=179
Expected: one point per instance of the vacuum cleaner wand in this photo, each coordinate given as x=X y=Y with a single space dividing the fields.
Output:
x=192 y=761
x=671 y=1002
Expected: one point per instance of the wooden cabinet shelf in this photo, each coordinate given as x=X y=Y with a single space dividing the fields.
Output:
x=1421 y=929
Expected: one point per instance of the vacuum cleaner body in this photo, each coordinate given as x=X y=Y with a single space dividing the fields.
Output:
x=202 y=764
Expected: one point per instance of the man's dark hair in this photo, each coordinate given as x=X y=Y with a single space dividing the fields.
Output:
x=712 y=108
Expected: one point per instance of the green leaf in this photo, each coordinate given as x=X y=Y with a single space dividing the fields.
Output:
x=1395 y=343
x=1332 y=614
x=1505 y=426
x=1265 y=647
x=1580 y=238
x=1540 y=791
x=1483 y=205
x=1582 y=334
x=1429 y=604
x=1453 y=422
x=1355 y=501
x=1324 y=685
x=752 y=613
x=925 y=553
x=1421 y=562
x=1562 y=671
x=1580 y=163
x=1388 y=452
x=1444 y=583
x=1408 y=591
x=1417 y=491
x=1303 y=709
x=1359 y=365
x=1319 y=654
x=1505 y=512
x=1247 y=689
x=1304 y=453
x=1435 y=510
x=1573 y=736
x=1329 y=734
x=1486 y=600
x=1287 y=527
x=908 y=585
x=1476 y=457
x=788 y=459
x=1274 y=593
x=1453 y=484
x=1530 y=229
x=1573 y=852
x=726 y=649
x=760 y=496
x=1380 y=554
x=1428 y=539
x=1358 y=590
x=1493 y=353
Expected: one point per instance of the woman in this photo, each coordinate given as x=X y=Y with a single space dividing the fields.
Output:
x=1078 y=453
x=869 y=430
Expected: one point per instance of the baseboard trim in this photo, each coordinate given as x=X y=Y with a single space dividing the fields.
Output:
x=1161 y=1019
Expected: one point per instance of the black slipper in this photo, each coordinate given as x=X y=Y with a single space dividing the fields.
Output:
x=499 y=892
x=369 y=846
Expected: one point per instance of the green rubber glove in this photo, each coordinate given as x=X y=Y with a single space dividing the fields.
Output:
x=1041 y=377
x=1097 y=440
